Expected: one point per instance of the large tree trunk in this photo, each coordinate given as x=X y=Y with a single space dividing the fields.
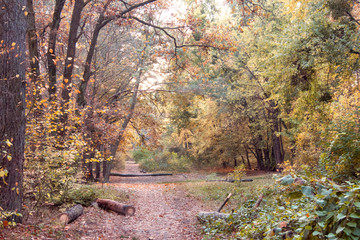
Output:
x=13 y=29
x=259 y=158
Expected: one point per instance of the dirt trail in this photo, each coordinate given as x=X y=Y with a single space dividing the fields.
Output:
x=163 y=212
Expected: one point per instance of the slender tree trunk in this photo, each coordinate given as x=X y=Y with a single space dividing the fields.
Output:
x=69 y=65
x=115 y=146
x=51 y=55
x=276 y=139
x=13 y=29
x=71 y=50
x=102 y=22
x=247 y=156
x=97 y=170
x=267 y=159
x=33 y=51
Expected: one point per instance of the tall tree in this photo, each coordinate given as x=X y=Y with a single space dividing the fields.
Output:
x=13 y=29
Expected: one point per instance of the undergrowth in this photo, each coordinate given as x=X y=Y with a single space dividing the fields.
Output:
x=293 y=208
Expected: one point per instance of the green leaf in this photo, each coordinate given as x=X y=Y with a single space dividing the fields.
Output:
x=321 y=213
x=340 y=216
x=321 y=202
x=356 y=232
x=316 y=233
x=357 y=204
x=348 y=231
x=287 y=180
x=351 y=224
x=354 y=215
x=339 y=229
x=325 y=192
x=331 y=235
x=307 y=191
x=354 y=237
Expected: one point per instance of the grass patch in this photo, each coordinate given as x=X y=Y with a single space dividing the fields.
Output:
x=214 y=193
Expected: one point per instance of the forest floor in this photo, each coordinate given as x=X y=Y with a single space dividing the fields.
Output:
x=164 y=210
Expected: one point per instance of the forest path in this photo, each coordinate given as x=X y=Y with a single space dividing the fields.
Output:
x=163 y=211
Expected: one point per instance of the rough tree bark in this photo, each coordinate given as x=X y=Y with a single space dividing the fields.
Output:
x=117 y=207
x=71 y=214
x=13 y=29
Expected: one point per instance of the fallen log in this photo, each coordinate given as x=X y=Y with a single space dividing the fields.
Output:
x=108 y=204
x=229 y=180
x=140 y=175
x=202 y=216
x=71 y=214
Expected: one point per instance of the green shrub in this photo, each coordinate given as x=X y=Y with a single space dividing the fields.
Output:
x=141 y=154
x=341 y=160
x=166 y=161
x=295 y=208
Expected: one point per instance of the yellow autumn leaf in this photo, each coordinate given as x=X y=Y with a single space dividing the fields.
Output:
x=8 y=143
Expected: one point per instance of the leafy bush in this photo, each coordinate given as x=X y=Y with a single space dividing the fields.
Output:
x=295 y=208
x=166 y=161
x=341 y=160
x=141 y=154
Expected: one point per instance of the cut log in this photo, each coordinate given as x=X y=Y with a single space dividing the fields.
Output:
x=71 y=214
x=140 y=175
x=229 y=180
x=202 y=216
x=123 y=209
